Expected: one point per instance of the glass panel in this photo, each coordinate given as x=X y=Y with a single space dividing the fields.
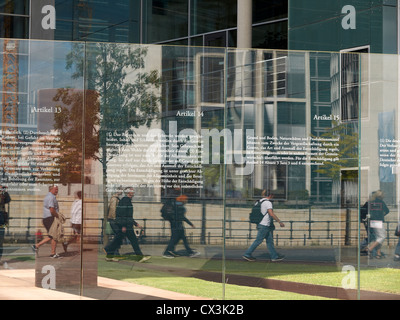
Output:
x=158 y=13
x=275 y=9
x=378 y=170
x=167 y=149
x=113 y=21
x=15 y=7
x=280 y=161
x=208 y=16
x=270 y=35
x=14 y=27
x=41 y=154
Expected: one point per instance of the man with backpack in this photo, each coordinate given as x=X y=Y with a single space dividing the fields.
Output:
x=125 y=222
x=265 y=228
x=174 y=211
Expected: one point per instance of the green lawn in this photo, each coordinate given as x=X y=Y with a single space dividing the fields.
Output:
x=383 y=280
x=196 y=287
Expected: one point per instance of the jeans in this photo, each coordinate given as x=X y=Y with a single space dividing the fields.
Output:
x=266 y=233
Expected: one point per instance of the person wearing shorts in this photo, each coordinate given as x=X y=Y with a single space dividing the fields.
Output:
x=50 y=211
x=377 y=212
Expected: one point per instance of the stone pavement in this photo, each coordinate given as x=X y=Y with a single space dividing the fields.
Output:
x=19 y=284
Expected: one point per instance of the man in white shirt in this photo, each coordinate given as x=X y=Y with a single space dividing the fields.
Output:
x=50 y=211
x=265 y=229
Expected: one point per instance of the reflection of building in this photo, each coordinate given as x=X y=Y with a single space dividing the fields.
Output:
x=273 y=94
x=287 y=120
x=276 y=24
x=273 y=87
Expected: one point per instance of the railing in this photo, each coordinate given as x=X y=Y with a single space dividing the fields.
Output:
x=237 y=232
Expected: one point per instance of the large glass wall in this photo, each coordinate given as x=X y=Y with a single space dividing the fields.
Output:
x=159 y=154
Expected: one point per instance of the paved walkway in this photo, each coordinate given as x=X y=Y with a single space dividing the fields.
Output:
x=19 y=284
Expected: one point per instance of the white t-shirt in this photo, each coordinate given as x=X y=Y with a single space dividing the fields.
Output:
x=76 y=212
x=265 y=206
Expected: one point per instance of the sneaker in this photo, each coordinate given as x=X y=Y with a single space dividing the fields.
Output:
x=280 y=258
x=111 y=258
x=55 y=256
x=194 y=254
x=34 y=248
x=144 y=258
x=168 y=256
x=396 y=257
x=249 y=258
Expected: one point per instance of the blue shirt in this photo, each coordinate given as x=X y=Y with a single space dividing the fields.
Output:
x=49 y=201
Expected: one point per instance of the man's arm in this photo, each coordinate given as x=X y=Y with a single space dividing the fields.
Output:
x=275 y=217
x=53 y=212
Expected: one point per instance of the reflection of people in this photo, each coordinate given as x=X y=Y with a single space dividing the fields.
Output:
x=397 y=251
x=377 y=210
x=265 y=229
x=76 y=220
x=4 y=199
x=112 y=209
x=125 y=223
x=178 y=229
x=364 y=220
x=50 y=212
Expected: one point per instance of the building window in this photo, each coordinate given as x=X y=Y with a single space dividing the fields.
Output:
x=350 y=84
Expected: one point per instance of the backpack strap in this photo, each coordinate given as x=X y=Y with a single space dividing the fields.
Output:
x=261 y=201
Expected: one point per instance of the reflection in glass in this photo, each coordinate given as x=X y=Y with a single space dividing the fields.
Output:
x=206 y=129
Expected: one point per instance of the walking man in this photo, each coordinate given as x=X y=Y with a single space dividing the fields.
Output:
x=265 y=229
x=125 y=222
x=50 y=212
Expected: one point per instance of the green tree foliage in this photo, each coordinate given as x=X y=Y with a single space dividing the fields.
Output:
x=348 y=150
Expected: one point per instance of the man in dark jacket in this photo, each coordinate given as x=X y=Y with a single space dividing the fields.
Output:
x=124 y=220
x=178 y=229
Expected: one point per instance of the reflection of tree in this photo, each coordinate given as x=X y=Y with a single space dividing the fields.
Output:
x=213 y=172
x=70 y=125
x=347 y=154
x=128 y=95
